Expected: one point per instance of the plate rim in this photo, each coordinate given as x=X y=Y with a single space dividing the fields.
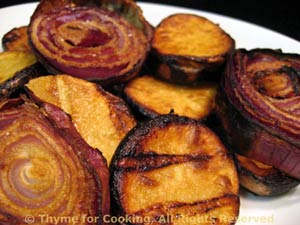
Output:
x=143 y=5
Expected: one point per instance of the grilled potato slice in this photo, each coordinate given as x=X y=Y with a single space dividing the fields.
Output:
x=188 y=47
x=13 y=61
x=174 y=170
x=101 y=118
x=20 y=78
x=16 y=40
x=262 y=179
x=152 y=96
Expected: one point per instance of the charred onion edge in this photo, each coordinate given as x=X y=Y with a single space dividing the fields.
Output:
x=91 y=158
x=234 y=88
x=231 y=86
x=124 y=8
x=274 y=181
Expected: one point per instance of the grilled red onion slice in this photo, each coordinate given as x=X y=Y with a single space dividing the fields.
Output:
x=261 y=112
x=46 y=168
x=90 y=42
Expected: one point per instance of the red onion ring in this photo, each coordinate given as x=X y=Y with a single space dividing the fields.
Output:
x=263 y=101
x=89 y=42
x=46 y=167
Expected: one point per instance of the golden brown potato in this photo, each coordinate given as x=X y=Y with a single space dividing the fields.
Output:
x=188 y=46
x=102 y=119
x=176 y=169
x=262 y=179
x=20 y=78
x=152 y=96
x=16 y=40
x=13 y=61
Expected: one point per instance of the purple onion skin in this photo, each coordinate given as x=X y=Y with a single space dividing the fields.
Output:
x=121 y=68
x=40 y=121
x=246 y=133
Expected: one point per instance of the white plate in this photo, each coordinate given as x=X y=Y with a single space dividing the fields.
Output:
x=283 y=210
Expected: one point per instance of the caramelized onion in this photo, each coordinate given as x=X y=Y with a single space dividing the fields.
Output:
x=263 y=101
x=46 y=167
x=90 y=41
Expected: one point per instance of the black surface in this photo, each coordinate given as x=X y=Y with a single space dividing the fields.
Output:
x=281 y=16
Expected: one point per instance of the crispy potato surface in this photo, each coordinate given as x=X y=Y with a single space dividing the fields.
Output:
x=152 y=97
x=174 y=168
x=16 y=40
x=101 y=118
x=189 y=47
x=13 y=61
x=190 y=35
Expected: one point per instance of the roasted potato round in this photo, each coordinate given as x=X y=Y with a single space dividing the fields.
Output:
x=152 y=96
x=188 y=47
x=174 y=167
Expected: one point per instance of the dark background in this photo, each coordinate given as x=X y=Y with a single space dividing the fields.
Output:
x=281 y=16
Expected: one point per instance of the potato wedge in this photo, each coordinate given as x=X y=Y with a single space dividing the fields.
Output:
x=262 y=179
x=152 y=96
x=16 y=40
x=174 y=170
x=13 y=61
x=187 y=47
x=101 y=118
